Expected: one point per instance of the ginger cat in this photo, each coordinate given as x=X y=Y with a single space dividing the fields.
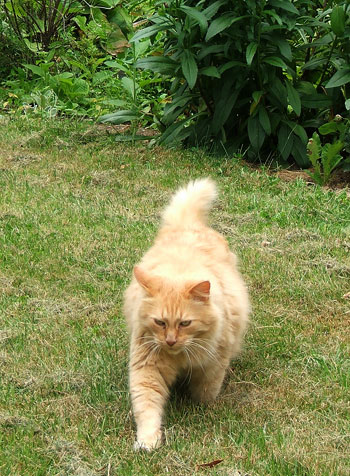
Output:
x=187 y=309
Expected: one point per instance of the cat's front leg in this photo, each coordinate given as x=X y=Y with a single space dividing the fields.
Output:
x=206 y=383
x=149 y=393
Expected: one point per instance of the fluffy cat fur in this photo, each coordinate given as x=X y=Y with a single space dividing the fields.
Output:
x=187 y=309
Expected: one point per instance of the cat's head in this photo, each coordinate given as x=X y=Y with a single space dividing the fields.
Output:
x=176 y=316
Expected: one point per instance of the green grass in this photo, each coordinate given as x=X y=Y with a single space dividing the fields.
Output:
x=77 y=211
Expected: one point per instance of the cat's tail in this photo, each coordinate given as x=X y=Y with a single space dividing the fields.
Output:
x=190 y=204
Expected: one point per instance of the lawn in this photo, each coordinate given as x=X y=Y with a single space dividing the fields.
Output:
x=77 y=211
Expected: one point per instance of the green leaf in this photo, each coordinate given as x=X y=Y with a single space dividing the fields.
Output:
x=80 y=21
x=284 y=48
x=274 y=15
x=130 y=86
x=146 y=82
x=275 y=61
x=210 y=11
x=211 y=71
x=316 y=101
x=306 y=88
x=189 y=68
x=150 y=31
x=158 y=64
x=117 y=65
x=284 y=5
x=250 y=52
x=331 y=158
x=120 y=17
x=285 y=141
x=101 y=76
x=341 y=77
x=176 y=132
x=299 y=153
x=347 y=104
x=314 y=149
x=231 y=64
x=223 y=108
x=278 y=90
x=328 y=128
x=108 y=3
x=264 y=120
x=256 y=133
x=35 y=69
x=65 y=75
x=196 y=15
x=119 y=117
x=314 y=63
x=338 y=20
x=293 y=98
x=208 y=50
x=323 y=41
x=316 y=175
x=173 y=109
x=77 y=88
x=257 y=95
x=221 y=23
x=31 y=46
x=300 y=131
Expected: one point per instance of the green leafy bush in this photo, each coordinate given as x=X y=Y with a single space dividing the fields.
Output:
x=70 y=72
x=258 y=74
x=323 y=158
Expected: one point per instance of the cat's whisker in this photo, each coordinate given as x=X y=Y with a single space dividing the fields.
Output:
x=196 y=357
x=153 y=351
x=208 y=352
x=190 y=369
x=148 y=343
x=206 y=344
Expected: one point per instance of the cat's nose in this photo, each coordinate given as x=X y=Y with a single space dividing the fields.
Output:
x=170 y=341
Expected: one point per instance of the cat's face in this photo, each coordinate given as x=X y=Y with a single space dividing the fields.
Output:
x=178 y=319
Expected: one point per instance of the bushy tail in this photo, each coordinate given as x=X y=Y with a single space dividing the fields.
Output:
x=190 y=204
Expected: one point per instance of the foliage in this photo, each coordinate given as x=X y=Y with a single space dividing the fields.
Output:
x=260 y=77
x=79 y=69
x=323 y=158
x=261 y=74
x=39 y=22
x=326 y=157
x=141 y=88
x=339 y=129
x=10 y=48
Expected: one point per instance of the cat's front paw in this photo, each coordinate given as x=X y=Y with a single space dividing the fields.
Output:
x=149 y=442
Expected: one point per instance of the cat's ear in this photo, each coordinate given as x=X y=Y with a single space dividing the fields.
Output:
x=200 y=291
x=151 y=284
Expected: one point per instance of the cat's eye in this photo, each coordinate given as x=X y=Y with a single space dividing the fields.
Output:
x=159 y=323
x=185 y=323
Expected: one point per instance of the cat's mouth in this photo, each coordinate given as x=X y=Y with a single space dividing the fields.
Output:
x=173 y=350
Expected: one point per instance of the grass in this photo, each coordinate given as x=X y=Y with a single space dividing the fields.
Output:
x=76 y=212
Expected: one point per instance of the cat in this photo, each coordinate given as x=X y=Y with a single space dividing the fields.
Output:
x=187 y=310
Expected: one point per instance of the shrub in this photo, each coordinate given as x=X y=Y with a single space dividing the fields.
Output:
x=258 y=74
x=73 y=57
